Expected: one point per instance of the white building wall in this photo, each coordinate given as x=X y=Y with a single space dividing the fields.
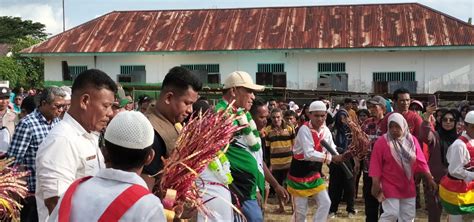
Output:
x=447 y=70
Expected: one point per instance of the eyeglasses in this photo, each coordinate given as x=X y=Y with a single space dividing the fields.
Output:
x=446 y=120
x=60 y=106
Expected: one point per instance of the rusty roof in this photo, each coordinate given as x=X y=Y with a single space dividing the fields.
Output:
x=305 y=27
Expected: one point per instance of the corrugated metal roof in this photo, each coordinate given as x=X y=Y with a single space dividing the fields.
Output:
x=309 y=27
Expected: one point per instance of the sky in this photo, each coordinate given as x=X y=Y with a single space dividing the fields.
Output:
x=49 y=12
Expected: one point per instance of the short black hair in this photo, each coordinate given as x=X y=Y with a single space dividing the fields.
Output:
x=290 y=113
x=365 y=111
x=124 y=158
x=257 y=102
x=398 y=92
x=29 y=104
x=179 y=79
x=94 y=78
x=143 y=99
x=347 y=100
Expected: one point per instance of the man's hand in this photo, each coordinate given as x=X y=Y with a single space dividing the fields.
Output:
x=337 y=159
x=432 y=185
x=282 y=193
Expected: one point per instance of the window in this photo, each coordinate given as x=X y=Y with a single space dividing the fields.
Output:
x=388 y=82
x=208 y=73
x=132 y=73
x=74 y=71
x=328 y=67
x=332 y=76
x=393 y=76
x=271 y=74
x=275 y=67
x=131 y=69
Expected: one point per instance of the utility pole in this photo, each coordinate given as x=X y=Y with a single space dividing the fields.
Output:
x=64 y=19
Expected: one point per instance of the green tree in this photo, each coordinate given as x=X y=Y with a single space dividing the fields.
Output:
x=20 y=34
x=13 y=28
x=10 y=70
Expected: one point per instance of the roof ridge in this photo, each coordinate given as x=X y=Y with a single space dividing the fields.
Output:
x=268 y=7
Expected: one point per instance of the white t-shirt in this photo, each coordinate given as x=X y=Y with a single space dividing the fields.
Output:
x=93 y=196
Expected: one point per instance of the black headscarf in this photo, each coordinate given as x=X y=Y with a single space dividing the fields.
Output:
x=343 y=133
x=447 y=137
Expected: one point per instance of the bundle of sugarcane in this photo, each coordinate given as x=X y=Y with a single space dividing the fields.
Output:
x=360 y=140
x=12 y=187
x=197 y=145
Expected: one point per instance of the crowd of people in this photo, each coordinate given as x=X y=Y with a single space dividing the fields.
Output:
x=95 y=153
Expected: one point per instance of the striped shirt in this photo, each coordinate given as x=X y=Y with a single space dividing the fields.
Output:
x=280 y=143
x=29 y=133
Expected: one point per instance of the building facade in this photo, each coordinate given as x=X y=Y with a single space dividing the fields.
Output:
x=359 y=48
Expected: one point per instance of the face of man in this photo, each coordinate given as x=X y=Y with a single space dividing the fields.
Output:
x=291 y=120
x=129 y=106
x=97 y=105
x=181 y=105
x=403 y=102
x=244 y=98
x=18 y=100
x=261 y=117
x=283 y=106
x=362 y=117
x=317 y=118
x=272 y=104
x=277 y=119
x=116 y=109
x=4 y=101
x=54 y=109
x=375 y=110
x=67 y=104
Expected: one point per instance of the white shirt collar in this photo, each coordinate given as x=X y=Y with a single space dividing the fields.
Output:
x=78 y=127
x=122 y=176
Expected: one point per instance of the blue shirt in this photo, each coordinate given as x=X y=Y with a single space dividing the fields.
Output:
x=29 y=133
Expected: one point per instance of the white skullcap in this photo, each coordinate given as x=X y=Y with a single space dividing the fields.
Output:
x=130 y=129
x=469 y=117
x=317 y=106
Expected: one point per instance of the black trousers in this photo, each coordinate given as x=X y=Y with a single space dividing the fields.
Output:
x=29 y=212
x=372 y=205
x=339 y=185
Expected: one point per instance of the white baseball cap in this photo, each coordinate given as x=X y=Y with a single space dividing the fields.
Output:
x=317 y=106
x=130 y=129
x=469 y=117
x=241 y=79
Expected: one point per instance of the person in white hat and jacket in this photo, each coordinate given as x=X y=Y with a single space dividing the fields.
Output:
x=304 y=179
x=456 y=188
x=116 y=192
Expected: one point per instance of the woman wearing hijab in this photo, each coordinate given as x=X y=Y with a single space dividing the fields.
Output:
x=438 y=143
x=338 y=183
x=396 y=157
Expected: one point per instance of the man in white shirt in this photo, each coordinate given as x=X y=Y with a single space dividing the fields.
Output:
x=455 y=187
x=71 y=151
x=304 y=179
x=128 y=141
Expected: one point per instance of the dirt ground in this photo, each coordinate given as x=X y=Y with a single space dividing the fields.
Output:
x=271 y=214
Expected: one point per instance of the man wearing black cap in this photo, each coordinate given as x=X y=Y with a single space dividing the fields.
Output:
x=7 y=119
